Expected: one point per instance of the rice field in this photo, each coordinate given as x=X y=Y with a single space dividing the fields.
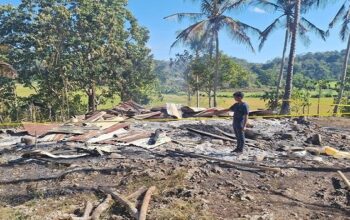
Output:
x=224 y=101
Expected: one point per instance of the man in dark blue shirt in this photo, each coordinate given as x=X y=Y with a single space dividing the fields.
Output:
x=240 y=119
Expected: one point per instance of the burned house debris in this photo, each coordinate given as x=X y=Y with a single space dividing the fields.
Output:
x=131 y=162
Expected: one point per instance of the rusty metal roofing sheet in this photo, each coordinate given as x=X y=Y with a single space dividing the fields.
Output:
x=95 y=116
x=147 y=115
x=39 y=129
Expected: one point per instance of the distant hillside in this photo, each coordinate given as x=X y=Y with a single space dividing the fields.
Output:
x=321 y=65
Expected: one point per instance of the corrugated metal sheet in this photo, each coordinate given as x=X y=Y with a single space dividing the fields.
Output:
x=39 y=129
x=107 y=136
x=96 y=116
x=147 y=115
x=92 y=134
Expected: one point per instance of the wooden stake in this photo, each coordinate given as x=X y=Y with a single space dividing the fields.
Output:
x=273 y=169
x=145 y=203
x=210 y=135
x=137 y=193
x=125 y=202
x=88 y=210
x=102 y=208
x=347 y=182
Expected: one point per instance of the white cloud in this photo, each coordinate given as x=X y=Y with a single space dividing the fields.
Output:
x=258 y=10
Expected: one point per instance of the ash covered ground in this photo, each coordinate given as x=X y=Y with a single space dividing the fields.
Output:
x=35 y=185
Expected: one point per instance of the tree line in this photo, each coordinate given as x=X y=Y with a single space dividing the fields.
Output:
x=67 y=50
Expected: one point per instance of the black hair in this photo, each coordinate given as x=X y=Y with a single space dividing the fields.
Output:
x=238 y=94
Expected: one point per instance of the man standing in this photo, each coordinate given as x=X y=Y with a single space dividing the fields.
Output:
x=240 y=119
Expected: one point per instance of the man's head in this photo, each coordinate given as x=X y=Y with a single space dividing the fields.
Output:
x=238 y=96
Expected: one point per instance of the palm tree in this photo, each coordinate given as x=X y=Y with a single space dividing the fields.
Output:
x=286 y=17
x=207 y=25
x=344 y=15
x=285 y=109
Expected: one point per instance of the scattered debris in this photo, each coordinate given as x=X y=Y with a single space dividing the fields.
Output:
x=347 y=182
x=316 y=139
x=248 y=165
x=189 y=161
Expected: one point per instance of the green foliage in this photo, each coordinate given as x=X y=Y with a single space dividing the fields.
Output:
x=300 y=81
x=65 y=47
x=301 y=101
x=234 y=75
x=269 y=98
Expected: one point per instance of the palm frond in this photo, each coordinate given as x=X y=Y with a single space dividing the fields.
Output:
x=344 y=31
x=304 y=39
x=266 y=33
x=6 y=70
x=311 y=27
x=194 y=30
x=181 y=16
x=237 y=32
x=229 y=5
x=302 y=33
x=269 y=4
x=206 y=7
x=311 y=4
x=249 y=28
x=337 y=16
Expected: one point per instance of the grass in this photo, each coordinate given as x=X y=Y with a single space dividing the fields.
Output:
x=9 y=213
x=224 y=100
x=46 y=208
x=254 y=103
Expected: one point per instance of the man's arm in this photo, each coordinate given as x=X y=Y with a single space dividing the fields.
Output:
x=245 y=121
x=245 y=117
x=232 y=108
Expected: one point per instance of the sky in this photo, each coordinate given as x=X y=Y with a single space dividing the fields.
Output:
x=150 y=14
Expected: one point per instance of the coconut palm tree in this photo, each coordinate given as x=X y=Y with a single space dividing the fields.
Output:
x=285 y=18
x=285 y=109
x=209 y=22
x=343 y=16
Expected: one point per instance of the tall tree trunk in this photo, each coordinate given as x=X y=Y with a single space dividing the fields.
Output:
x=209 y=96
x=188 y=93
x=289 y=79
x=343 y=78
x=92 y=97
x=66 y=97
x=197 y=80
x=280 y=76
x=319 y=99
x=197 y=90
x=217 y=60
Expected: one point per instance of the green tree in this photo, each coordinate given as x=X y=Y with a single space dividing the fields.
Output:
x=183 y=63
x=63 y=47
x=286 y=17
x=209 y=22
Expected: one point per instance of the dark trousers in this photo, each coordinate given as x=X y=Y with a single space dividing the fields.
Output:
x=240 y=136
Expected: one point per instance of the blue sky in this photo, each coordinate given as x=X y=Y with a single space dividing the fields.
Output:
x=150 y=14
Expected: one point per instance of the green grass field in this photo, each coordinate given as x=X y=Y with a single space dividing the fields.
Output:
x=254 y=103
x=224 y=100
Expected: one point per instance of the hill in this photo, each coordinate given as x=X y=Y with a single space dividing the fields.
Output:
x=320 y=65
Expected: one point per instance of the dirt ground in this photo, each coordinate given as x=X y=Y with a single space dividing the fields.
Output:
x=189 y=188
